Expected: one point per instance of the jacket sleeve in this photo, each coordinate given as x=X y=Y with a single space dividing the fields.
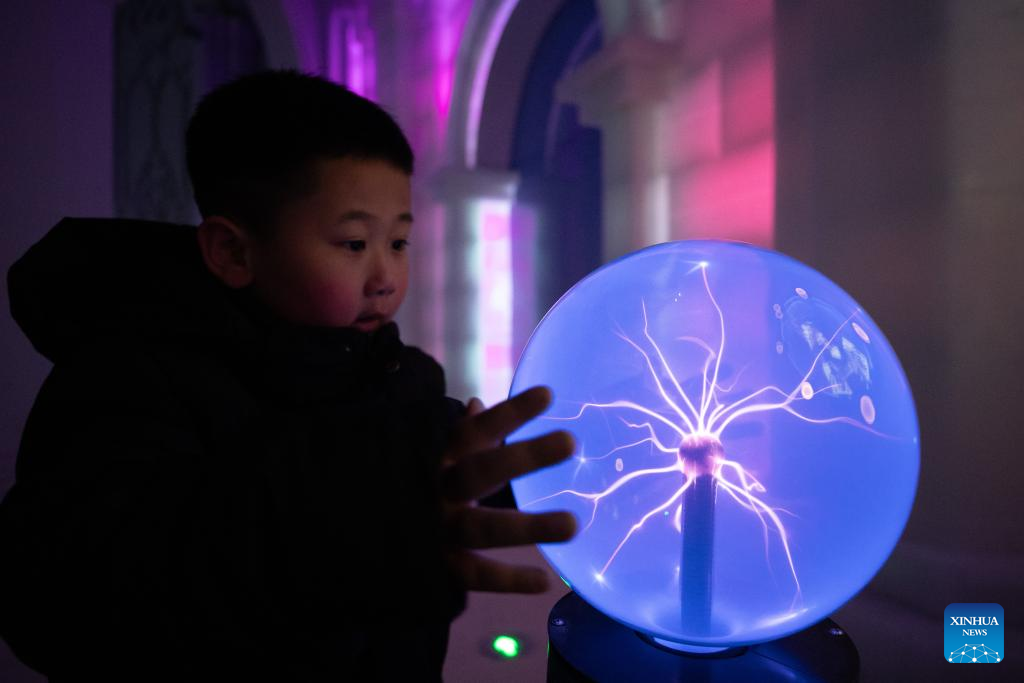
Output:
x=364 y=547
x=86 y=527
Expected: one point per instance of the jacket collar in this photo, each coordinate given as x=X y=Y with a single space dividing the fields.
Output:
x=309 y=363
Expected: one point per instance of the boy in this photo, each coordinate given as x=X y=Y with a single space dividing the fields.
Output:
x=236 y=470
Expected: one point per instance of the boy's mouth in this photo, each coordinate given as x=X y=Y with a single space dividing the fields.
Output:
x=368 y=322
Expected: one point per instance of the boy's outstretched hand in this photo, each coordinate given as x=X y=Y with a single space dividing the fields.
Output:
x=475 y=465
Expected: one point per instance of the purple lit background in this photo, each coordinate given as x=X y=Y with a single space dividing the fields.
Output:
x=881 y=143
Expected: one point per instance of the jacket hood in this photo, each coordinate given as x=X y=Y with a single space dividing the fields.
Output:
x=90 y=279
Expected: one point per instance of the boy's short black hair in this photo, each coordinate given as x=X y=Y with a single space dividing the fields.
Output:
x=252 y=143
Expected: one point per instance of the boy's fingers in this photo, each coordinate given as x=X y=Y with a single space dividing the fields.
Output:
x=478 y=528
x=474 y=407
x=480 y=573
x=476 y=476
x=487 y=429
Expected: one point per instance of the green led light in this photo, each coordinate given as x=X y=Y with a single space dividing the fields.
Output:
x=507 y=646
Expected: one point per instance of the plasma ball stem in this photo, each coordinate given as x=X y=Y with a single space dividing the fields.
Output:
x=701 y=457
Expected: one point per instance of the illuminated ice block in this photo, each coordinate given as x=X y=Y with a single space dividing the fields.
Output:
x=747 y=446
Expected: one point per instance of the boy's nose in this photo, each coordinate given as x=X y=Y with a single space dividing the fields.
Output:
x=381 y=289
x=381 y=281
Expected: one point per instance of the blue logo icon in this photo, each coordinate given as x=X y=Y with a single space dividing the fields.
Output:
x=973 y=633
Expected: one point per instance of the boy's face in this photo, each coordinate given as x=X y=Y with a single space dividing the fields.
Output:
x=338 y=257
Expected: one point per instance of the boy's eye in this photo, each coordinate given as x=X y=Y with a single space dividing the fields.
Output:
x=353 y=245
x=400 y=245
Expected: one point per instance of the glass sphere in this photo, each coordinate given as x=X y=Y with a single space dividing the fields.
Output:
x=747 y=446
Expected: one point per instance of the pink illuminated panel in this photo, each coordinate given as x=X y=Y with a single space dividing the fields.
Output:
x=351 y=56
x=731 y=198
x=449 y=19
x=494 y=313
x=722 y=126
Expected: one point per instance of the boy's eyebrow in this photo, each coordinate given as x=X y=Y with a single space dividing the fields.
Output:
x=367 y=217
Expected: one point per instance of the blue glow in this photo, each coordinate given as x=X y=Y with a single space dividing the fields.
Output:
x=747 y=446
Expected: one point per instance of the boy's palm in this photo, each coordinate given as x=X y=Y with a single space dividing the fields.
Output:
x=476 y=464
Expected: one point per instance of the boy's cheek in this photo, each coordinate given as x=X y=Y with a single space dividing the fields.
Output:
x=328 y=304
x=309 y=300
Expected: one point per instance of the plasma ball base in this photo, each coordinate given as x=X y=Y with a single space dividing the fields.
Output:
x=586 y=645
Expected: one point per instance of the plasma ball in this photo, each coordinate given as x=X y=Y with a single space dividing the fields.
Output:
x=721 y=430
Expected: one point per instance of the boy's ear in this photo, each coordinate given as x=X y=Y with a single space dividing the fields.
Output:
x=226 y=250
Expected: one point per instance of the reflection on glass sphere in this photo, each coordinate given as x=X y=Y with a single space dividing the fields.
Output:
x=747 y=447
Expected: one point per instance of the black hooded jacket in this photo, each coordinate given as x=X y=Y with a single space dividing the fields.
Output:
x=205 y=492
